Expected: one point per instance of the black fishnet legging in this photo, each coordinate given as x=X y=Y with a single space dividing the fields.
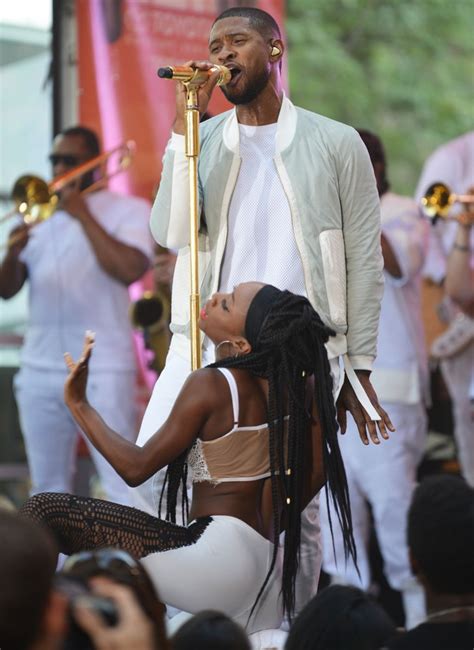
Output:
x=82 y=523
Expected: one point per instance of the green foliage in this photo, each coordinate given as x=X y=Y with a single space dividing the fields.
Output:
x=403 y=69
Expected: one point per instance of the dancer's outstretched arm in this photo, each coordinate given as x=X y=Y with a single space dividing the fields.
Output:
x=135 y=464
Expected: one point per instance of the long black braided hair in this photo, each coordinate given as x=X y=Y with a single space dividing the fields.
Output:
x=288 y=349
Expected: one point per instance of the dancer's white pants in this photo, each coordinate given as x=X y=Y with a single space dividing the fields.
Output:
x=224 y=570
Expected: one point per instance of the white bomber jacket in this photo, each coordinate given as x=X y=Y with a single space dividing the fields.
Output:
x=328 y=178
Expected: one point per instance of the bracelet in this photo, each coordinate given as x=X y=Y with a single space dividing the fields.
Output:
x=460 y=247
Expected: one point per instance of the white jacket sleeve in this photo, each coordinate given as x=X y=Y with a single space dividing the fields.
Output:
x=364 y=263
x=169 y=221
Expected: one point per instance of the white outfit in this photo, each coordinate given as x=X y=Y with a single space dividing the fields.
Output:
x=258 y=212
x=385 y=475
x=232 y=560
x=458 y=373
x=453 y=164
x=329 y=184
x=70 y=293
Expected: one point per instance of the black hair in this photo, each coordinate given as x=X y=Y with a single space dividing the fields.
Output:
x=28 y=560
x=441 y=533
x=341 y=618
x=290 y=349
x=210 y=630
x=259 y=20
x=88 y=136
x=377 y=155
x=121 y=567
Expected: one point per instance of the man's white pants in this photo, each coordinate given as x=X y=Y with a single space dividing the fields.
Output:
x=167 y=388
x=385 y=476
x=458 y=374
x=147 y=496
x=50 y=433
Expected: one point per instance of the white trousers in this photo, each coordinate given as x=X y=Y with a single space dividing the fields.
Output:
x=224 y=569
x=458 y=374
x=50 y=433
x=385 y=476
x=146 y=496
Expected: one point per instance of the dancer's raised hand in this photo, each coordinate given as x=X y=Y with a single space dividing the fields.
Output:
x=76 y=383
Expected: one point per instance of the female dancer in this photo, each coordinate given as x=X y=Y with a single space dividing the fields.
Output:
x=257 y=428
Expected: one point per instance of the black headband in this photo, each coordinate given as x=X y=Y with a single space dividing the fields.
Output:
x=258 y=311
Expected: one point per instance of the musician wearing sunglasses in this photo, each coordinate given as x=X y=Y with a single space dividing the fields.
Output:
x=78 y=265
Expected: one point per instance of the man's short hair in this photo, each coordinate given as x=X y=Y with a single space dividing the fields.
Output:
x=88 y=136
x=441 y=533
x=259 y=20
x=28 y=558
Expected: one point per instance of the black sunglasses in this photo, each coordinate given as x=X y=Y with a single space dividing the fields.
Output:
x=68 y=159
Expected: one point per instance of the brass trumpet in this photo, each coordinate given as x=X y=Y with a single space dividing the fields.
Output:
x=438 y=200
x=36 y=200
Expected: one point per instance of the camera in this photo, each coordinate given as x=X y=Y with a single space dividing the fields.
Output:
x=74 y=588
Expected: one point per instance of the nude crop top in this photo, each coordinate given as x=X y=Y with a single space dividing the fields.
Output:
x=239 y=455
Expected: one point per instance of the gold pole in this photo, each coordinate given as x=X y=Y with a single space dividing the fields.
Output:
x=192 y=153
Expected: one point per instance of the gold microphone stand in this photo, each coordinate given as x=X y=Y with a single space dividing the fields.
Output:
x=192 y=154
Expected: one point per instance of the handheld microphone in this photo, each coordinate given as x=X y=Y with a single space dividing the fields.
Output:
x=195 y=76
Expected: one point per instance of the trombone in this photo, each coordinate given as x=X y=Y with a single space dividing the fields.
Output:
x=438 y=200
x=36 y=200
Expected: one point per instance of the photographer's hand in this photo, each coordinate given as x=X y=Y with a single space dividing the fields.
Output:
x=133 y=630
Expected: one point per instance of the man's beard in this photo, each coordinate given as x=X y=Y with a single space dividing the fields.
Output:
x=251 y=92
